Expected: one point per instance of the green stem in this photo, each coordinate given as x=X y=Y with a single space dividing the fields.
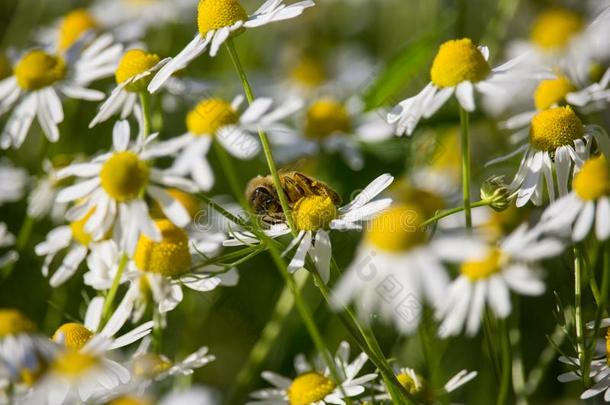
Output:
x=465 y=167
x=452 y=211
x=263 y=137
x=145 y=101
x=106 y=310
x=506 y=363
x=578 y=313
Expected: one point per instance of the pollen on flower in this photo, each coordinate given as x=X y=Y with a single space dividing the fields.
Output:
x=326 y=117
x=150 y=365
x=457 y=61
x=38 y=69
x=73 y=335
x=552 y=92
x=124 y=176
x=133 y=63
x=555 y=127
x=78 y=229
x=314 y=212
x=396 y=229
x=555 y=27
x=484 y=268
x=169 y=257
x=215 y=14
x=130 y=400
x=13 y=322
x=210 y=115
x=73 y=25
x=593 y=179
x=309 y=72
x=73 y=364
x=309 y=388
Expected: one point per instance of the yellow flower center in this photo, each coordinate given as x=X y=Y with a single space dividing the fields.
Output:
x=314 y=212
x=551 y=92
x=73 y=25
x=124 y=176
x=593 y=179
x=215 y=14
x=555 y=127
x=5 y=67
x=608 y=347
x=309 y=72
x=326 y=117
x=396 y=229
x=169 y=257
x=37 y=69
x=484 y=268
x=130 y=400
x=73 y=364
x=209 y=116
x=74 y=335
x=309 y=388
x=30 y=376
x=554 y=28
x=13 y=322
x=78 y=229
x=189 y=202
x=133 y=63
x=409 y=383
x=457 y=61
x=150 y=365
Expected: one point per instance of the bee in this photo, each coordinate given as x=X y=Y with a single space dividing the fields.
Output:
x=264 y=201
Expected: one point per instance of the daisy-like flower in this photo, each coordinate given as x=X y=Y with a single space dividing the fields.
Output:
x=558 y=143
x=41 y=200
x=315 y=216
x=217 y=20
x=7 y=240
x=313 y=384
x=395 y=271
x=459 y=68
x=80 y=375
x=335 y=127
x=13 y=182
x=114 y=184
x=38 y=80
x=418 y=387
x=23 y=352
x=487 y=274
x=214 y=118
x=75 y=336
x=132 y=75
x=163 y=266
x=587 y=206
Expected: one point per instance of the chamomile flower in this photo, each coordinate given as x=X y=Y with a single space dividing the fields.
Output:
x=7 y=240
x=586 y=207
x=313 y=384
x=335 y=127
x=217 y=20
x=315 y=216
x=24 y=354
x=558 y=142
x=39 y=79
x=80 y=375
x=13 y=182
x=459 y=68
x=394 y=271
x=214 y=118
x=132 y=75
x=115 y=184
x=488 y=272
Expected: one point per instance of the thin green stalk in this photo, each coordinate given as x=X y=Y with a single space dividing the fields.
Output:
x=263 y=137
x=506 y=364
x=452 y=211
x=488 y=336
x=269 y=336
x=145 y=101
x=106 y=310
x=466 y=167
x=578 y=313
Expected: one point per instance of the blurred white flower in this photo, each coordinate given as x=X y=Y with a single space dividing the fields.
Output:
x=7 y=240
x=13 y=182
